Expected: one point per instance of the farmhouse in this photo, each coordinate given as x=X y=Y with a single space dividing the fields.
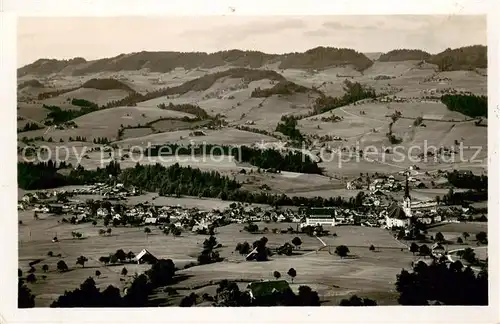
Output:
x=260 y=289
x=320 y=216
x=145 y=257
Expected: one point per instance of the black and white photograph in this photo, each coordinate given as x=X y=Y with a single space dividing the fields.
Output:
x=253 y=161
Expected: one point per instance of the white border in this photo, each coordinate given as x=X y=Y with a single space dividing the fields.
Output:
x=389 y=314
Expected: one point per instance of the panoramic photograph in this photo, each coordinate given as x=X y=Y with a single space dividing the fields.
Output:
x=224 y=161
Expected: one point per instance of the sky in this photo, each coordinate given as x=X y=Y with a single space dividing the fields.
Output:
x=99 y=37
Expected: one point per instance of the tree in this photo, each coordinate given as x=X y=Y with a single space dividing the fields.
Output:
x=161 y=273
x=31 y=278
x=121 y=255
x=113 y=259
x=414 y=248
x=81 y=260
x=24 y=297
x=106 y=222
x=292 y=273
x=465 y=235
x=210 y=243
x=357 y=301
x=276 y=275
x=45 y=268
x=124 y=271
x=50 y=254
x=307 y=297
x=108 y=231
x=482 y=237
x=424 y=250
x=97 y=273
x=94 y=222
x=439 y=237
x=297 y=241
x=447 y=285
x=469 y=255
x=62 y=266
x=102 y=231
x=372 y=247
x=104 y=260
x=460 y=241
x=401 y=234
x=341 y=251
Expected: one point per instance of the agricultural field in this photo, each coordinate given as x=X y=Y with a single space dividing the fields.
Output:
x=306 y=121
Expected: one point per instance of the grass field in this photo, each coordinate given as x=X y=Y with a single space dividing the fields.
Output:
x=366 y=273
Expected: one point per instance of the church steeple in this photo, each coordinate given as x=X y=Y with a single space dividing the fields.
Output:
x=407 y=199
x=407 y=188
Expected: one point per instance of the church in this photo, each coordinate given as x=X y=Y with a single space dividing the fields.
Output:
x=400 y=215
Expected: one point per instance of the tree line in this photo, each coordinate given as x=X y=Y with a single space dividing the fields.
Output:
x=292 y=161
x=167 y=181
x=469 y=105
x=355 y=91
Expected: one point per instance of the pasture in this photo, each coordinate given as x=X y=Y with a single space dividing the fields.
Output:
x=366 y=273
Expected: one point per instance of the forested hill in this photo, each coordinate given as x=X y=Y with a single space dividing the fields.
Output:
x=316 y=58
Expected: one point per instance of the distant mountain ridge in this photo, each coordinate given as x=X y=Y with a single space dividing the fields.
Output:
x=318 y=58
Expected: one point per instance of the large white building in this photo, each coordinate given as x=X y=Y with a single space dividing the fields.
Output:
x=320 y=216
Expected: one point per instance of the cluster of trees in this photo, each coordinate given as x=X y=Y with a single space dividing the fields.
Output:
x=82 y=103
x=292 y=161
x=88 y=295
x=442 y=284
x=172 y=180
x=101 y=140
x=44 y=175
x=288 y=127
x=55 y=93
x=106 y=84
x=186 y=108
x=462 y=58
x=57 y=115
x=262 y=252
x=284 y=88
x=461 y=198
x=29 y=127
x=228 y=294
x=325 y=57
x=354 y=92
x=467 y=180
x=404 y=55
x=208 y=254
x=469 y=105
x=357 y=301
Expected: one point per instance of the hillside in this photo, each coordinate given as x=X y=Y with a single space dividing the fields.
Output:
x=324 y=57
x=463 y=58
x=30 y=83
x=48 y=66
x=404 y=55
x=317 y=58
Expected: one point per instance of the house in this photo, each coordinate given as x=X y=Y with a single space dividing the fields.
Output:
x=320 y=216
x=145 y=257
x=437 y=250
x=151 y=220
x=262 y=289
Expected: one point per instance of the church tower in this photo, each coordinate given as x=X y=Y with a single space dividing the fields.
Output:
x=407 y=199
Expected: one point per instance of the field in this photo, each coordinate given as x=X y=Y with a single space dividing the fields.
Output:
x=232 y=103
x=371 y=274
